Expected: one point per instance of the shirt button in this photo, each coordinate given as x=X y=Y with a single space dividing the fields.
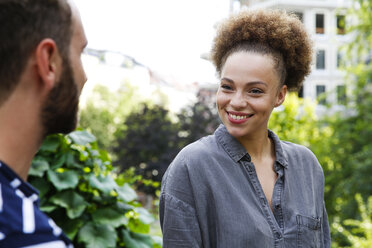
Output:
x=277 y=206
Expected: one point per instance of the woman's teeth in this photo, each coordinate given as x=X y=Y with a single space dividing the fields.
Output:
x=239 y=117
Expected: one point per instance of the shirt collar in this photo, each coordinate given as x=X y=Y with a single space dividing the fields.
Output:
x=236 y=151
x=280 y=156
x=15 y=181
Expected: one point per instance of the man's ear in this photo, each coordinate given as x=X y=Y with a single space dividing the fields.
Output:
x=281 y=96
x=48 y=62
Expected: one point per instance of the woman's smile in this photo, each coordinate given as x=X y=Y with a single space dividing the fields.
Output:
x=238 y=117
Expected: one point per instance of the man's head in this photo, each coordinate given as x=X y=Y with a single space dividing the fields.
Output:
x=44 y=31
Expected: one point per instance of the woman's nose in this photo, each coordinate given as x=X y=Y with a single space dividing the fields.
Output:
x=237 y=101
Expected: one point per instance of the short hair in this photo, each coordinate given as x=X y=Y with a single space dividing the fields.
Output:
x=24 y=24
x=272 y=32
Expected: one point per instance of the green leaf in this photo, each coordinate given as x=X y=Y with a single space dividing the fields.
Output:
x=98 y=236
x=110 y=216
x=126 y=193
x=71 y=227
x=70 y=160
x=82 y=137
x=51 y=143
x=144 y=216
x=157 y=241
x=59 y=161
x=71 y=201
x=42 y=185
x=64 y=180
x=105 y=184
x=136 y=240
x=47 y=209
x=38 y=167
x=124 y=207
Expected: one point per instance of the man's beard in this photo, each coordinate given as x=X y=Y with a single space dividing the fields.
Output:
x=59 y=113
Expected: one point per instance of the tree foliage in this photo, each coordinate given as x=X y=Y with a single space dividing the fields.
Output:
x=105 y=110
x=148 y=142
x=79 y=191
x=353 y=132
x=352 y=149
x=359 y=233
x=152 y=139
x=196 y=121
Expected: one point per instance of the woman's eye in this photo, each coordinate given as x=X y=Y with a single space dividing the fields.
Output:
x=226 y=87
x=256 y=91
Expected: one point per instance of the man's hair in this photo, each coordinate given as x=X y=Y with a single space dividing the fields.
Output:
x=24 y=24
x=268 y=32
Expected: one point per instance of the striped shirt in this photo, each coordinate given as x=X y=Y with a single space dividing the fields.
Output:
x=22 y=223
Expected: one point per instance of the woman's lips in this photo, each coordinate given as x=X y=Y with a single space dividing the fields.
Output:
x=238 y=118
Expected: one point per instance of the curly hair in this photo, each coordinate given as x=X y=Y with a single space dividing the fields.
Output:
x=272 y=32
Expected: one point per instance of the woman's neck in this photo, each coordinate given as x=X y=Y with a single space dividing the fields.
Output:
x=258 y=145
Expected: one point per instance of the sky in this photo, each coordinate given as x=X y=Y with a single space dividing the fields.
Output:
x=169 y=36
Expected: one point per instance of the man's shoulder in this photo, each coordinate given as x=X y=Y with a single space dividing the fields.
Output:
x=22 y=223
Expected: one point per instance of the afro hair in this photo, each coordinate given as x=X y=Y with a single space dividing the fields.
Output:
x=281 y=33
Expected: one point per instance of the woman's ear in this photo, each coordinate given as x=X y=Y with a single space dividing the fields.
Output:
x=281 y=96
x=48 y=62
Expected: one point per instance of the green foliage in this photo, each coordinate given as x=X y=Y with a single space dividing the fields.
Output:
x=352 y=149
x=151 y=140
x=361 y=29
x=360 y=234
x=297 y=122
x=148 y=143
x=105 y=111
x=196 y=121
x=79 y=191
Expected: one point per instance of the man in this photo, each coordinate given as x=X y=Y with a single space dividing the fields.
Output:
x=41 y=77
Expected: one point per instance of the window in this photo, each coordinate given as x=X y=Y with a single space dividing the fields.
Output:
x=300 y=16
x=319 y=23
x=341 y=94
x=320 y=90
x=339 y=59
x=320 y=60
x=341 y=24
x=301 y=92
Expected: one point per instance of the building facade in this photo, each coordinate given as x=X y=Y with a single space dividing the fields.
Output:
x=325 y=21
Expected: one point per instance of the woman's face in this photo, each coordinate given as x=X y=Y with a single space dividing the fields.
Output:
x=248 y=92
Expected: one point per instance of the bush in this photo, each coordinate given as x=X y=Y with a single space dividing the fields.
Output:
x=79 y=191
x=105 y=111
x=360 y=235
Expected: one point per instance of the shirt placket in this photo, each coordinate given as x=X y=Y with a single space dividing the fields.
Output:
x=275 y=224
x=277 y=197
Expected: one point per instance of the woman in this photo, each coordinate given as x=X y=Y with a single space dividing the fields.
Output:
x=242 y=186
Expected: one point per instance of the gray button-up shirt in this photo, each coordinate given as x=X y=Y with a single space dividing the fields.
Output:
x=211 y=197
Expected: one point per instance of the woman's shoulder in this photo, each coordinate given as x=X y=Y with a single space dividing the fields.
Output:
x=195 y=153
x=187 y=164
x=293 y=149
x=300 y=155
x=199 y=149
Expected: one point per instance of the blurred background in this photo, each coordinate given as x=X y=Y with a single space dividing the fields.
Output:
x=151 y=91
